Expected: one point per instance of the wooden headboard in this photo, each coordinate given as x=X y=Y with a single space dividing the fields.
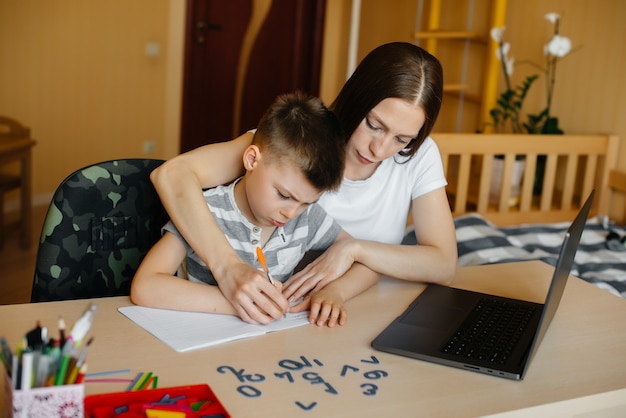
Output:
x=574 y=165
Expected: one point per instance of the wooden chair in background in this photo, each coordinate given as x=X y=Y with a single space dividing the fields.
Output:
x=574 y=165
x=16 y=145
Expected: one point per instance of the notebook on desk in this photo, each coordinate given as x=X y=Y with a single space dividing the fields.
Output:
x=185 y=331
x=477 y=331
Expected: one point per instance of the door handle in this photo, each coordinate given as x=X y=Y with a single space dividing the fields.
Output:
x=203 y=26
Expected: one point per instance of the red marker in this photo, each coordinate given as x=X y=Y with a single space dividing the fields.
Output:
x=81 y=374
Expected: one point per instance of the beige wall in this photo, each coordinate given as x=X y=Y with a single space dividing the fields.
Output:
x=76 y=71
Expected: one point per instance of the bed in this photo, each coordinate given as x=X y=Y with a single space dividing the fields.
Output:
x=496 y=225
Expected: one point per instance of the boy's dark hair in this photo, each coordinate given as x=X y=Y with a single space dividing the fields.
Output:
x=299 y=128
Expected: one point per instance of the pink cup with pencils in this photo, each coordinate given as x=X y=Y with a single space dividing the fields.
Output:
x=44 y=375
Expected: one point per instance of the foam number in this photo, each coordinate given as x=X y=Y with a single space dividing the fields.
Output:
x=249 y=391
x=375 y=374
x=285 y=375
x=307 y=407
x=241 y=374
x=316 y=379
x=298 y=365
x=369 y=389
x=347 y=368
x=371 y=360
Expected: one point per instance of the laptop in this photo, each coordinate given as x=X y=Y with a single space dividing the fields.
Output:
x=477 y=331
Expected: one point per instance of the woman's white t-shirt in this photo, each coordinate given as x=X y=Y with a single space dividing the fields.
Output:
x=377 y=208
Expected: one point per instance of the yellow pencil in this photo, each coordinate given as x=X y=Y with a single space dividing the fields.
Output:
x=140 y=384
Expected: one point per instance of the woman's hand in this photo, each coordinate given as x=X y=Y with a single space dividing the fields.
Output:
x=329 y=266
x=254 y=298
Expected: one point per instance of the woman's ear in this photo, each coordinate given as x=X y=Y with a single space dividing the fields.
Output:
x=251 y=157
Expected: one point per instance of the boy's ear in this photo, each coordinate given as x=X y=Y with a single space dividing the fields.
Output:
x=251 y=157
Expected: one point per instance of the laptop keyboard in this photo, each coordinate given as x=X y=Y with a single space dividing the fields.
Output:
x=491 y=331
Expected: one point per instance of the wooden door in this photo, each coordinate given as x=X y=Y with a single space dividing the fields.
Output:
x=240 y=55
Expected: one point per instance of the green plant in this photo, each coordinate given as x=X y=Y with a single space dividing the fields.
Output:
x=507 y=114
x=509 y=105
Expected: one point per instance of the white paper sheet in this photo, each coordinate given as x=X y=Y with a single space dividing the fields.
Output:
x=185 y=331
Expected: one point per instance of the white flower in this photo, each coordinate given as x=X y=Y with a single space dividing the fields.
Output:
x=559 y=46
x=496 y=34
x=503 y=51
x=552 y=17
x=509 y=63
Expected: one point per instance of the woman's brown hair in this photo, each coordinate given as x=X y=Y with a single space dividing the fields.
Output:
x=399 y=70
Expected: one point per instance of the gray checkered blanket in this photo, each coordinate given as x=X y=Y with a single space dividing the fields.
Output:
x=480 y=242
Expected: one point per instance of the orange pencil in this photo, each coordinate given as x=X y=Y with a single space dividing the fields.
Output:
x=261 y=256
x=147 y=384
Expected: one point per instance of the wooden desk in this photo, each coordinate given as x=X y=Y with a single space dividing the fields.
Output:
x=20 y=150
x=582 y=354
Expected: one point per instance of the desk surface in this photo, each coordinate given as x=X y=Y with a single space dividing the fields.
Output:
x=335 y=372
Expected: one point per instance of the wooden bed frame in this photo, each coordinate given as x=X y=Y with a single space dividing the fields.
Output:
x=574 y=165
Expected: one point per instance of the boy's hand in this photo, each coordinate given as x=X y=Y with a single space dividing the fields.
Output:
x=329 y=266
x=326 y=308
x=252 y=295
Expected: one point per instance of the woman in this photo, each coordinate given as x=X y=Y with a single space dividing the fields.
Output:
x=393 y=169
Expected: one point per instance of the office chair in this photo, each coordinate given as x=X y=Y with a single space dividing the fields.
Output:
x=101 y=222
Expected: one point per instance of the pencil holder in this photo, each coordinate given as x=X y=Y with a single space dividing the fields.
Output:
x=44 y=402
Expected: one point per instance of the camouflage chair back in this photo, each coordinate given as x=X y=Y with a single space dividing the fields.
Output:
x=100 y=224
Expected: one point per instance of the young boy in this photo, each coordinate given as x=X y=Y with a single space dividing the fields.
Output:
x=297 y=154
